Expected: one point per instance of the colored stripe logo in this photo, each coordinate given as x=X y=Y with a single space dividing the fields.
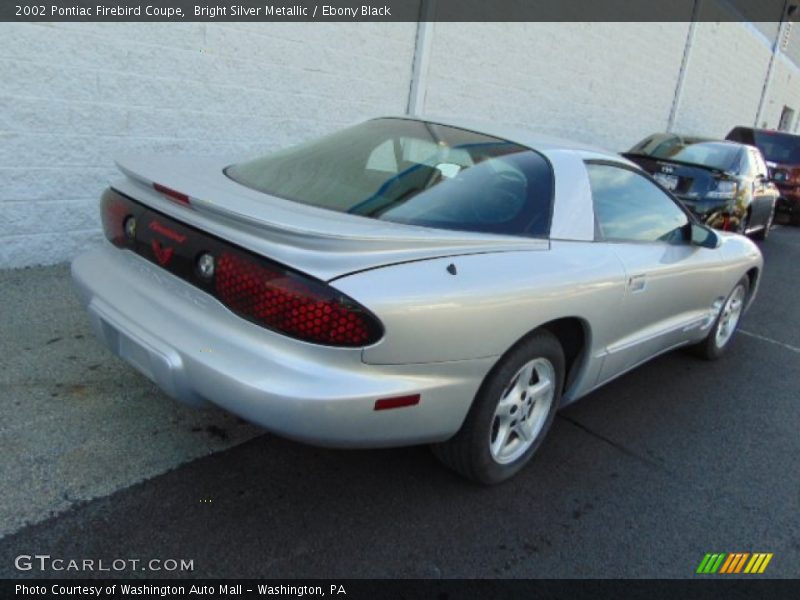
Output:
x=736 y=562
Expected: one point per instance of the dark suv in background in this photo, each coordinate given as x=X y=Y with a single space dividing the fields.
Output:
x=781 y=150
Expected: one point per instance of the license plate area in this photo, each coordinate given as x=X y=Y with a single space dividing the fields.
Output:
x=140 y=357
x=670 y=182
x=159 y=365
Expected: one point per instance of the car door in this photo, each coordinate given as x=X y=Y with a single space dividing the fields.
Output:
x=671 y=284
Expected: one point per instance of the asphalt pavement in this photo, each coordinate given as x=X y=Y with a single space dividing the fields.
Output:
x=639 y=479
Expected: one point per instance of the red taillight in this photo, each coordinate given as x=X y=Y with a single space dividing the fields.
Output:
x=182 y=198
x=114 y=210
x=251 y=286
x=290 y=303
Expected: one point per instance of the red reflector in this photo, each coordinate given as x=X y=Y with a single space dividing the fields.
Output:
x=398 y=402
x=182 y=198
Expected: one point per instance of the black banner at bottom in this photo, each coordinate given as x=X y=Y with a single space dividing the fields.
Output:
x=387 y=589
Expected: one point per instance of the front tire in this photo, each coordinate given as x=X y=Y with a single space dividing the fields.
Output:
x=511 y=413
x=721 y=334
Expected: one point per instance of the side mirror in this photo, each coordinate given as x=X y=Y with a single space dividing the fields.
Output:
x=704 y=237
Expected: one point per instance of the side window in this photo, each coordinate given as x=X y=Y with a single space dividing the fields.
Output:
x=630 y=207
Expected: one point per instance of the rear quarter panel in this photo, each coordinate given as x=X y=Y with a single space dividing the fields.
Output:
x=490 y=303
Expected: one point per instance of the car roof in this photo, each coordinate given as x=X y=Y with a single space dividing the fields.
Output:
x=523 y=136
x=763 y=130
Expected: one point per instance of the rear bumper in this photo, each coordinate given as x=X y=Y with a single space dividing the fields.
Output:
x=199 y=352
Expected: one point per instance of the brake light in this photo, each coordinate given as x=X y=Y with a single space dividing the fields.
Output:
x=724 y=189
x=114 y=212
x=291 y=303
x=169 y=192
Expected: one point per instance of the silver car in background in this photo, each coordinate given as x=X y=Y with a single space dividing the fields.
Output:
x=407 y=281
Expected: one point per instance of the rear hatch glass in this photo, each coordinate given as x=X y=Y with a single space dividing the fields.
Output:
x=416 y=173
x=722 y=156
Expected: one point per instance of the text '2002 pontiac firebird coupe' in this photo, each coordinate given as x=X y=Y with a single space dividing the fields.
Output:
x=405 y=281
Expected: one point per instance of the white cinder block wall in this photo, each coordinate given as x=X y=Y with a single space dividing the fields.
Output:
x=72 y=96
x=588 y=81
x=784 y=91
x=724 y=79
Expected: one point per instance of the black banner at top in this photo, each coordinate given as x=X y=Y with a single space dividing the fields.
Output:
x=398 y=10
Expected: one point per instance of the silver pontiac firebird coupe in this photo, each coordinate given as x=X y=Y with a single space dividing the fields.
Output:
x=407 y=281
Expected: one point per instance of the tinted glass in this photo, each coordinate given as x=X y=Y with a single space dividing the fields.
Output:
x=717 y=155
x=416 y=173
x=778 y=147
x=741 y=135
x=630 y=207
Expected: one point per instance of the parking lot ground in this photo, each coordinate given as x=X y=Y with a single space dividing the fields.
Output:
x=78 y=422
x=640 y=479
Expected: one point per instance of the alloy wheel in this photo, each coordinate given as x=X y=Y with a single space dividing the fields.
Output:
x=730 y=315
x=522 y=410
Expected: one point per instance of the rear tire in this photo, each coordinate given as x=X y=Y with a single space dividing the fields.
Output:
x=511 y=413
x=722 y=332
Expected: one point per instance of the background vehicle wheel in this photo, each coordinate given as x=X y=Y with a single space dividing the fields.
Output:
x=763 y=234
x=721 y=334
x=511 y=413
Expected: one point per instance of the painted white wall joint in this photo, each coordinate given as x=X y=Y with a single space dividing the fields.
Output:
x=422 y=52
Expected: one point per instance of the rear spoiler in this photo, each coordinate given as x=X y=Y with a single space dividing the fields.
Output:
x=646 y=159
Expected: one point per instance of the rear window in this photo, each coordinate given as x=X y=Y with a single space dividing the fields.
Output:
x=416 y=173
x=717 y=155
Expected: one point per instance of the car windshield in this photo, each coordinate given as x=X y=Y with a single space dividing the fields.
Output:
x=778 y=147
x=717 y=155
x=413 y=172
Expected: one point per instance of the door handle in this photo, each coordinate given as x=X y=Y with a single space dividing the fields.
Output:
x=637 y=283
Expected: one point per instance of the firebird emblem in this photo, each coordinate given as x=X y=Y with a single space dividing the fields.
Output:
x=163 y=254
